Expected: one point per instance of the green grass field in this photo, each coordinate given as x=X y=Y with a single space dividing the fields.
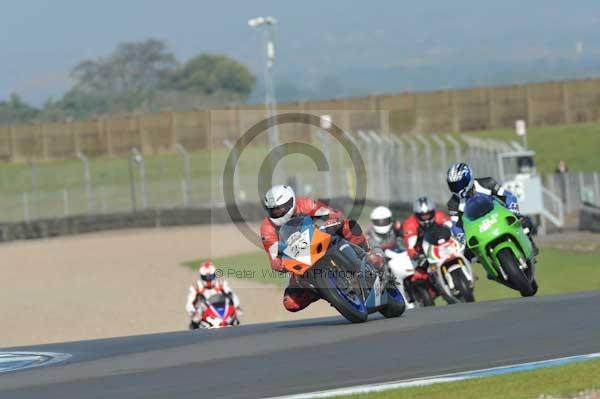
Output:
x=558 y=271
x=577 y=144
x=558 y=381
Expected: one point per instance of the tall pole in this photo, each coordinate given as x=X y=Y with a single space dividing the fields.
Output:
x=266 y=23
x=270 y=103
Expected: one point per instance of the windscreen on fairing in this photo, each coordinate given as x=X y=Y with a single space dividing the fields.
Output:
x=218 y=300
x=478 y=206
x=294 y=225
x=436 y=233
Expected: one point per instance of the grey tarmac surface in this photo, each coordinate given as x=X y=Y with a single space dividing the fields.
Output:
x=317 y=354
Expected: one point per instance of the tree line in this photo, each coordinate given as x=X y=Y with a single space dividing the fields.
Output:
x=144 y=76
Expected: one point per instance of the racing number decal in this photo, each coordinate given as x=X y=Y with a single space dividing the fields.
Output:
x=487 y=223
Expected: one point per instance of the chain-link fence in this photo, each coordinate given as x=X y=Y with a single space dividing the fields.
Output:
x=397 y=169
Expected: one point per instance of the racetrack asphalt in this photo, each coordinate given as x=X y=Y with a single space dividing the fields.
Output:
x=304 y=356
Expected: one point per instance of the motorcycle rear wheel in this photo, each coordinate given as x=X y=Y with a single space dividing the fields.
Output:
x=422 y=296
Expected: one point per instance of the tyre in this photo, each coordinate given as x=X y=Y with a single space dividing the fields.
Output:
x=394 y=308
x=516 y=276
x=534 y=285
x=336 y=290
x=422 y=296
x=462 y=285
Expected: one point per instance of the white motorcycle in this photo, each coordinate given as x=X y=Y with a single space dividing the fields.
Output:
x=445 y=255
x=403 y=269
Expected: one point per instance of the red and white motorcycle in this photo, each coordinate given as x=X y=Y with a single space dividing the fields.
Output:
x=447 y=263
x=215 y=312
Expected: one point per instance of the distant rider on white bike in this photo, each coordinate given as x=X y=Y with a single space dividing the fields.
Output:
x=203 y=289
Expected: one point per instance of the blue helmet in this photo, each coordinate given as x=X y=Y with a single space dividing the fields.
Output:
x=460 y=179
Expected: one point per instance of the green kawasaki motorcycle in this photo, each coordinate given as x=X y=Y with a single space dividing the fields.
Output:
x=495 y=235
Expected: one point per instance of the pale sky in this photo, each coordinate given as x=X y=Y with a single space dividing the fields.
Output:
x=41 y=40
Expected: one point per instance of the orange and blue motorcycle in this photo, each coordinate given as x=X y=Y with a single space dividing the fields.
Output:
x=337 y=270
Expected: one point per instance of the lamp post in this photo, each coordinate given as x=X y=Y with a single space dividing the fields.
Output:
x=267 y=24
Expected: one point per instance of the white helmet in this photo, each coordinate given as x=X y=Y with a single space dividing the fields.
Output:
x=381 y=219
x=280 y=203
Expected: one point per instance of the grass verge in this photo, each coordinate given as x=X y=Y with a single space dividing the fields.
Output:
x=559 y=381
x=558 y=271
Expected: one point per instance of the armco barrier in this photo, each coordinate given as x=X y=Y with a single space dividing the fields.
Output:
x=45 y=228
x=152 y=218
x=589 y=218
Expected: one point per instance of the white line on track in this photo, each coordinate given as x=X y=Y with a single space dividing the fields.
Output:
x=463 y=375
x=12 y=361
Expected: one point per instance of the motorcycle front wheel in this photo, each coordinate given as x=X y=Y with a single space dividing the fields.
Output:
x=462 y=285
x=342 y=290
x=516 y=276
x=422 y=295
x=396 y=303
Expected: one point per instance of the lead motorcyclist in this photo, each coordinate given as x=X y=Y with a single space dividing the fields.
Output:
x=203 y=289
x=463 y=186
x=281 y=205
x=384 y=232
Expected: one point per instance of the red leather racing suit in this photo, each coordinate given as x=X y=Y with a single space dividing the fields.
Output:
x=413 y=232
x=295 y=297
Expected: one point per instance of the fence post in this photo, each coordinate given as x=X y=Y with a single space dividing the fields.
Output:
x=444 y=162
x=187 y=170
x=350 y=182
x=414 y=170
x=326 y=142
x=172 y=128
x=380 y=174
x=88 y=180
x=237 y=170
x=139 y=159
x=402 y=181
x=184 y=193
x=44 y=137
x=26 y=215
x=457 y=148
x=369 y=165
x=103 y=199
x=65 y=202
x=428 y=160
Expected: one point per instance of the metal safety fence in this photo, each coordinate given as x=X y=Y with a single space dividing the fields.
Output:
x=396 y=168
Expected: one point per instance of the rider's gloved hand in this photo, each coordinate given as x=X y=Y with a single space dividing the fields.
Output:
x=528 y=225
x=277 y=265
